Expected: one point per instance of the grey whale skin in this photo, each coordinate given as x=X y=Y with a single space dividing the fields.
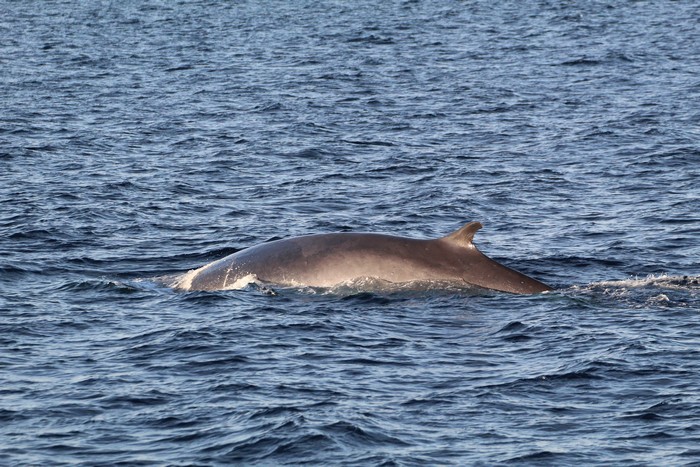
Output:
x=327 y=260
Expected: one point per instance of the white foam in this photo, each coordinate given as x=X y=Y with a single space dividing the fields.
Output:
x=184 y=281
x=652 y=290
x=243 y=282
x=663 y=281
x=376 y=285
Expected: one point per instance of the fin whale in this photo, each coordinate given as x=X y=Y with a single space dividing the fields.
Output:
x=327 y=260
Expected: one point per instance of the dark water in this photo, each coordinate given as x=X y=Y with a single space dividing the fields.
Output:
x=141 y=139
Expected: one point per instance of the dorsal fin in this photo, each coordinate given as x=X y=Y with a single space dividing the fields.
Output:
x=465 y=235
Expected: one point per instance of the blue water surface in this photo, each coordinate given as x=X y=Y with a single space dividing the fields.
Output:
x=143 y=139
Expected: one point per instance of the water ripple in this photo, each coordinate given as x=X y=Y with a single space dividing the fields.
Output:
x=141 y=140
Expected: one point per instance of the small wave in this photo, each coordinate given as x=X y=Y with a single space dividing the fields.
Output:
x=369 y=143
x=349 y=433
x=97 y=284
x=9 y=270
x=371 y=39
x=542 y=456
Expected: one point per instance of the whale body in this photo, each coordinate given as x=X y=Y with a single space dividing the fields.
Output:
x=328 y=260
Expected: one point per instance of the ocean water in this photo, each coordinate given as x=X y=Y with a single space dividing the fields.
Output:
x=143 y=139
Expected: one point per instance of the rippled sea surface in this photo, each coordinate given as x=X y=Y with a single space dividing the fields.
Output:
x=144 y=139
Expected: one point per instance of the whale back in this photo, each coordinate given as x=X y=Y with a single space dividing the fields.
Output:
x=327 y=260
x=480 y=270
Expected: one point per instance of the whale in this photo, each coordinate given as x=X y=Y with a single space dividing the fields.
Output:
x=333 y=259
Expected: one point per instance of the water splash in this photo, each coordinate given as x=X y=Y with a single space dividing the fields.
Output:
x=652 y=290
